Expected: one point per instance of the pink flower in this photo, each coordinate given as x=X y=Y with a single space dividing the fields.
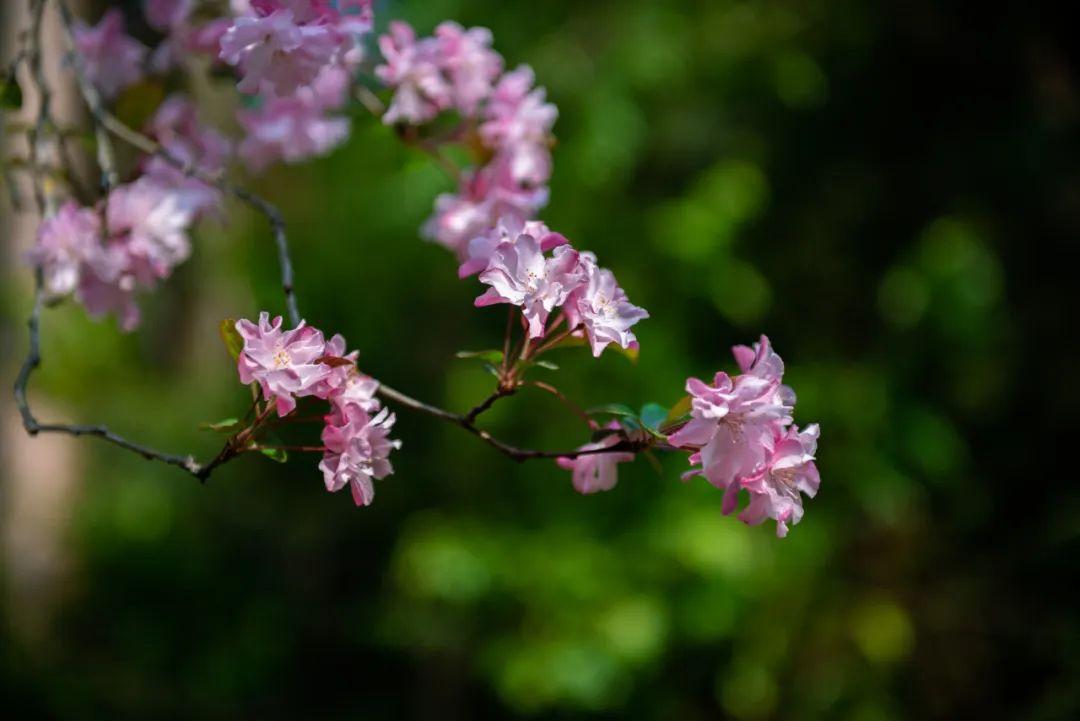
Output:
x=521 y=275
x=152 y=221
x=731 y=423
x=601 y=306
x=468 y=61
x=165 y=15
x=775 y=490
x=297 y=128
x=596 y=471
x=357 y=450
x=484 y=198
x=345 y=384
x=517 y=112
x=414 y=71
x=177 y=128
x=283 y=363
x=111 y=59
x=279 y=51
x=481 y=247
x=64 y=242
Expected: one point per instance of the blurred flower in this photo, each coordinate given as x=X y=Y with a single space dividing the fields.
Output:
x=111 y=59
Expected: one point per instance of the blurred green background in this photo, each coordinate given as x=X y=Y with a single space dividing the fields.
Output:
x=887 y=189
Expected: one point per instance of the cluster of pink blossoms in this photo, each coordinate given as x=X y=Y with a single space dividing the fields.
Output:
x=742 y=437
x=292 y=364
x=456 y=69
x=137 y=234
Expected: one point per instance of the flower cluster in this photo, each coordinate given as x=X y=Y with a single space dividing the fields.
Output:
x=456 y=69
x=292 y=364
x=135 y=236
x=742 y=438
x=112 y=59
x=519 y=271
x=297 y=56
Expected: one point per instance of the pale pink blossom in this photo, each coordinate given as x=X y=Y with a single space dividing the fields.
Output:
x=345 y=384
x=775 y=490
x=468 y=61
x=164 y=15
x=64 y=242
x=731 y=423
x=517 y=112
x=176 y=127
x=520 y=274
x=285 y=363
x=106 y=285
x=296 y=128
x=602 y=308
x=357 y=450
x=413 y=69
x=111 y=59
x=481 y=247
x=152 y=221
x=484 y=197
x=278 y=52
x=596 y=472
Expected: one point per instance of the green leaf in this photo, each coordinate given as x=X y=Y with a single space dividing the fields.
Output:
x=652 y=415
x=277 y=455
x=680 y=409
x=491 y=356
x=226 y=425
x=11 y=96
x=492 y=370
x=614 y=409
x=231 y=337
x=546 y=364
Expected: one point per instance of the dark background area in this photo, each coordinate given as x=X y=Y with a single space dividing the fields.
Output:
x=888 y=190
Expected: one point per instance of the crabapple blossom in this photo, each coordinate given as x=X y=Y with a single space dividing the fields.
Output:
x=111 y=59
x=601 y=306
x=345 y=384
x=412 y=68
x=164 y=15
x=357 y=450
x=152 y=221
x=485 y=197
x=517 y=112
x=296 y=128
x=277 y=50
x=521 y=275
x=64 y=242
x=469 y=63
x=285 y=363
x=775 y=490
x=177 y=128
x=595 y=472
x=481 y=247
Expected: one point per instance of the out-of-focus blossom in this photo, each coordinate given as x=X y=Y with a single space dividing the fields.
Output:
x=165 y=15
x=111 y=59
x=285 y=363
x=296 y=128
x=775 y=491
x=601 y=306
x=412 y=69
x=358 y=449
x=521 y=275
x=177 y=128
x=152 y=221
x=469 y=62
x=518 y=122
x=485 y=197
x=64 y=242
x=594 y=472
x=277 y=52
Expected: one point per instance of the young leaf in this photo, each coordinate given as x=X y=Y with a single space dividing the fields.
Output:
x=680 y=409
x=614 y=409
x=546 y=364
x=231 y=337
x=277 y=455
x=491 y=356
x=226 y=425
x=652 y=415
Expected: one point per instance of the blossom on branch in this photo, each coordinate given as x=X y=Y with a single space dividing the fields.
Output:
x=358 y=448
x=111 y=59
x=594 y=472
x=285 y=363
x=602 y=308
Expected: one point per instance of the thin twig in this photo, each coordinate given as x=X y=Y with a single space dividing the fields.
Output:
x=577 y=410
